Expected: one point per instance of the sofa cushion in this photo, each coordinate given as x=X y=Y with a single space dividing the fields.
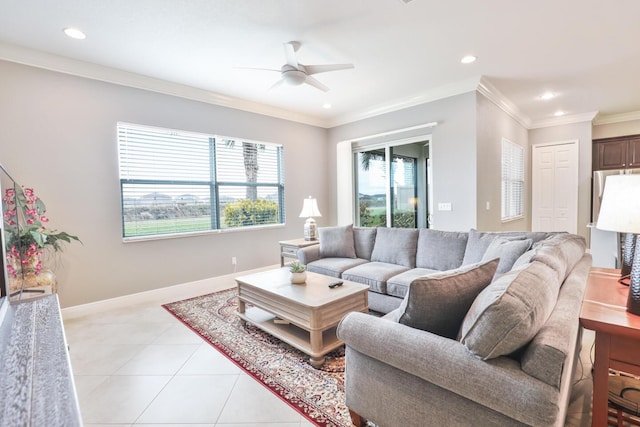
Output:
x=334 y=266
x=336 y=242
x=478 y=242
x=364 y=238
x=439 y=303
x=440 y=250
x=561 y=252
x=509 y=312
x=396 y=246
x=374 y=274
x=507 y=250
x=398 y=285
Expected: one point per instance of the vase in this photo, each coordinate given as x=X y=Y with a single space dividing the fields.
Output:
x=25 y=276
x=298 y=277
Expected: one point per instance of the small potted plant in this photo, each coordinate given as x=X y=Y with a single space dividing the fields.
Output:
x=298 y=272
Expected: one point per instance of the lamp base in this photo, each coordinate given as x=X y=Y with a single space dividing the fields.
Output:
x=628 y=251
x=310 y=229
x=633 y=301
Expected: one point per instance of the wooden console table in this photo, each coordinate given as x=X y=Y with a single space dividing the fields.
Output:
x=604 y=310
x=36 y=382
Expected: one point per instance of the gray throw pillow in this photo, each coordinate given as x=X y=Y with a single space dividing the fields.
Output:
x=439 y=303
x=507 y=250
x=510 y=311
x=336 y=242
x=364 y=238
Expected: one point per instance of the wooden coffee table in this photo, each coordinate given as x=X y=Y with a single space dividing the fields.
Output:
x=304 y=316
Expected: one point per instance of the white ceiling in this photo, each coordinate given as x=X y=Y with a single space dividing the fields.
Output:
x=586 y=51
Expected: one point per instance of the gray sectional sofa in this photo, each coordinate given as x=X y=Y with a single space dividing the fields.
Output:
x=481 y=328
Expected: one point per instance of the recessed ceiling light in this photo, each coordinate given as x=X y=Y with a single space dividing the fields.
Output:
x=326 y=106
x=559 y=113
x=74 y=33
x=547 y=95
x=468 y=59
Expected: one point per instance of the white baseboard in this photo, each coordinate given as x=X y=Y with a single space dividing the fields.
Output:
x=161 y=295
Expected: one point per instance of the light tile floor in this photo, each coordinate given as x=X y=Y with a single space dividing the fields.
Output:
x=135 y=364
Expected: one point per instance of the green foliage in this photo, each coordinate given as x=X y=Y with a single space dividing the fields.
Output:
x=296 y=267
x=401 y=219
x=245 y=212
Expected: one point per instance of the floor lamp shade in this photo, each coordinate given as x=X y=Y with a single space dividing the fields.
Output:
x=309 y=210
x=620 y=211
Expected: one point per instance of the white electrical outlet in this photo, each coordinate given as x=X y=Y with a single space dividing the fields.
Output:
x=234 y=261
x=488 y=206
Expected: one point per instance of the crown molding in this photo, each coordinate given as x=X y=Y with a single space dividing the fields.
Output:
x=616 y=118
x=486 y=88
x=564 y=120
x=434 y=94
x=39 y=59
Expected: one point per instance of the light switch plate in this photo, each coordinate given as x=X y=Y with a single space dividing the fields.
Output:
x=444 y=206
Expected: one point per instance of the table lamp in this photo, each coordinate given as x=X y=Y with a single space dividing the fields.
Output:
x=620 y=211
x=309 y=210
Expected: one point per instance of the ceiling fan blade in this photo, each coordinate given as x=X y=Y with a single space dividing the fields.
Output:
x=315 y=83
x=290 y=53
x=256 y=68
x=276 y=85
x=315 y=69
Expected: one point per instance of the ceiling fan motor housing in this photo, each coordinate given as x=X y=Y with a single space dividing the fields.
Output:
x=293 y=76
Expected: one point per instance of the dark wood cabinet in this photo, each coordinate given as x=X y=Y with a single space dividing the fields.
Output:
x=616 y=153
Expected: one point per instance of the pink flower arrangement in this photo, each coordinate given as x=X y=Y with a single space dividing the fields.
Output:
x=26 y=235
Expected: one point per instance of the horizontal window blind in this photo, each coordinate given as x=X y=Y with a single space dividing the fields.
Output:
x=175 y=182
x=512 y=180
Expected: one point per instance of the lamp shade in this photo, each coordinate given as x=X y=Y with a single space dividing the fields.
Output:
x=620 y=208
x=310 y=208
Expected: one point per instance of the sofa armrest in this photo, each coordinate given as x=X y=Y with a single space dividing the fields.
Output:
x=498 y=383
x=308 y=254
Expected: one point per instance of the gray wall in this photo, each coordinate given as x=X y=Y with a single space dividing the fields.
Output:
x=493 y=124
x=453 y=152
x=581 y=132
x=58 y=135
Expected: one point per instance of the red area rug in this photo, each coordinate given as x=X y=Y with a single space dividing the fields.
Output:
x=318 y=394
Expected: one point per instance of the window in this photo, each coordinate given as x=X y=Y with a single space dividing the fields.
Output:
x=512 y=180
x=177 y=182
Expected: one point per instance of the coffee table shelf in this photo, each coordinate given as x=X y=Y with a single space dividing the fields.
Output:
x=290 y=333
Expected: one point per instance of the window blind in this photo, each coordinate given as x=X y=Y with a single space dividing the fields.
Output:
x=512 y=180
x=175 y=182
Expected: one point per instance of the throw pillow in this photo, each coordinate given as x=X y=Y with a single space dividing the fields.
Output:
x=336 y=242
x=364 y=239
x=396 y=246
x=509 y=312
x=507 y=250
x=439 y=303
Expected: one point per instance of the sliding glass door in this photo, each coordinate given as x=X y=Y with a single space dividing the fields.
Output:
x=387 y=186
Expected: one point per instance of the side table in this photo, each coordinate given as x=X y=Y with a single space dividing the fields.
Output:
x=617 y=343
x=289 y=248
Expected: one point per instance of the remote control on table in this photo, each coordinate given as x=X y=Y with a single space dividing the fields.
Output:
x=335 y=284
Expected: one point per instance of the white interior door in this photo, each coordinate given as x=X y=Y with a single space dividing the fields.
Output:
x=555 y=187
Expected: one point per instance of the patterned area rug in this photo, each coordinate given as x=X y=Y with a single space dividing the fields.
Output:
x=318 y=394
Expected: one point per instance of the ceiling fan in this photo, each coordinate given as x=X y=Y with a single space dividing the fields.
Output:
x=295 y=73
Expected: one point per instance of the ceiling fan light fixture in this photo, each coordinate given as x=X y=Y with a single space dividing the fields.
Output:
x=559 y=113
x=294 y=77
x=547 y=95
